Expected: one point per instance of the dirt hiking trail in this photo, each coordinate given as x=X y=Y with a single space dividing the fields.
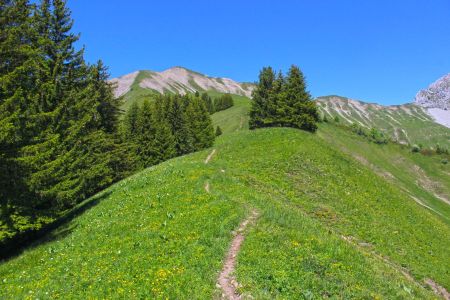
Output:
x=210 y=156
x=227 y=282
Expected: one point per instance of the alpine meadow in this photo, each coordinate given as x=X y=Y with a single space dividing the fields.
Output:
x=175 y=184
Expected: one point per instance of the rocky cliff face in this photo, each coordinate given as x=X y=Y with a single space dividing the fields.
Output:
x=437 y=95
x=436 y=100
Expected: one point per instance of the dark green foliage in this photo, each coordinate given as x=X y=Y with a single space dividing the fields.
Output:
x=200 y=124
x=170 y=126
x=130 y=120
x=58 y=117
x=223 y=102
x=259 y=113
x=179 y=124
x=373 y=135
x=208 y=102
x=283 y=101
x=218 y=131
x=377 y=136
x=18 y=85
x=415 y=149
x=336 y=119
x=145 y=132
x=153 y=140
x=164 y=141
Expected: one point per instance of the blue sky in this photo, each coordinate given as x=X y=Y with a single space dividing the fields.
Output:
x=378 y=51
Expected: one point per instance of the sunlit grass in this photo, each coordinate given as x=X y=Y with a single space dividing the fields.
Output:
x=158 y=234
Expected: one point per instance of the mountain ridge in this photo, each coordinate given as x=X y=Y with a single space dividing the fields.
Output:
x=405 y=123
x=179 y=80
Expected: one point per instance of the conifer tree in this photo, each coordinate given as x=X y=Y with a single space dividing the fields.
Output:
x=19 y=67
x=179 y=124
x=164 y=141
x=200 y=124
x=130 y=121
x=301 y=111
x=223 y=102
x=283 y=101
x=258 y=112
x=209 y=103
x=145 y=135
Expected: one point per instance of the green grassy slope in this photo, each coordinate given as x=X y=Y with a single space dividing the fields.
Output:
x=424 y=178
x=137 y=94
x=404 y=123
x=234 y=118
x=326 y=222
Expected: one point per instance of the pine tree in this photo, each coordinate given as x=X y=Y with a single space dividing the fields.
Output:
x=19 y=62
x=223 y=102
x=77 y=116
x=301 y=111
x=164 y=142
x=283 y=101
x=179 y=124
x=258 y=112
x=145 y=135
x=200 y=124
x=208 y=102
x=130 y=121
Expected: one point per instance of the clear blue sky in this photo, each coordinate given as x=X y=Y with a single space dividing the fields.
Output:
x=379 y=51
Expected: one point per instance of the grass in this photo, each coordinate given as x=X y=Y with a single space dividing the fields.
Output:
x=234 y=118
x=422 y=177
x=137 y=93
x=158 y=234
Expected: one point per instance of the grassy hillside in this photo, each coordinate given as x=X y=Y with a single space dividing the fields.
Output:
x=234 y=118
x=407 y=123
x=328 y=227
x=424 y=178
x=137 y=94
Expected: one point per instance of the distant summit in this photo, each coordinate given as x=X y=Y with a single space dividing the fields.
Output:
x=437 y=95
x=436 y=100
x=179 y=80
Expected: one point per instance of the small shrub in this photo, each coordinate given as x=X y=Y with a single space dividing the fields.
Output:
x=415 y=149
x=377 y=136
x=426 y=151
x=444 y=161
x=218 y=131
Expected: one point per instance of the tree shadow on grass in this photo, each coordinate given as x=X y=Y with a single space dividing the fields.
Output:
x=54 y=231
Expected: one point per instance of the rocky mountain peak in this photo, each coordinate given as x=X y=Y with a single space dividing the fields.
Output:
x=437 y=95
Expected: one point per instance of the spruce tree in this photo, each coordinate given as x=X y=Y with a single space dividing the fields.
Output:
x=130 y=121
x=283 y=101
x=145 y=135
x=19 y=68
x=301 y=111
x=258 y=112
x=200 y=124
x=209 y=103
x=164 y=142
x=179 y=124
